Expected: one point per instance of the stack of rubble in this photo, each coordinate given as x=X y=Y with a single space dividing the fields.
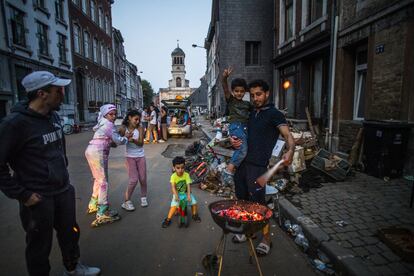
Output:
x=311 y=165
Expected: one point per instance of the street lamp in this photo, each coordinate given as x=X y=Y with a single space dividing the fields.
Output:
x=196 y=46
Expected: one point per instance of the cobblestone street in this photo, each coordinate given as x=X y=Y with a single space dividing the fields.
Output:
x=366 y=204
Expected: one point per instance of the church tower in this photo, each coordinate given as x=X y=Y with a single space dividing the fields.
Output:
x=178 y=86
x=178 y=69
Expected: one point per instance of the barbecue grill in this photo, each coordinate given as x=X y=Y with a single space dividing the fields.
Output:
x=252 y=219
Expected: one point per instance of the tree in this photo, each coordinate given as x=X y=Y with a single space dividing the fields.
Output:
x=147 y=91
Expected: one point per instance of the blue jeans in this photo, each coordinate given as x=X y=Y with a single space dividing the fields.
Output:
x=240 y=131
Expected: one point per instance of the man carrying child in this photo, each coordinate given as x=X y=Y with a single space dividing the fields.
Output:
x=264 y=126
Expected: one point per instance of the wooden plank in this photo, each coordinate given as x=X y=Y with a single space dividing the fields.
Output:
x=310 y=122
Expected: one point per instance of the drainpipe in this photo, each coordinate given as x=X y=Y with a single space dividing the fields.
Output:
x=332 y=65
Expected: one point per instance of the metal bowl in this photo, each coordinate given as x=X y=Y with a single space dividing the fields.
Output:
x=230 y=225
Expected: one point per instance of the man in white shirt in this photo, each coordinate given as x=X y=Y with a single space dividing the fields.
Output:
x=152 y=128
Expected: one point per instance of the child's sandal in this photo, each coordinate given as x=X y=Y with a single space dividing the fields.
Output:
x=196 y=218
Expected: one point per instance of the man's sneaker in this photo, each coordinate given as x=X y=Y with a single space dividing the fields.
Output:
x=128 y=206
x=227 y=178
x=144 y=202
x=161 y=141
x=82 y=270
x=166 y=223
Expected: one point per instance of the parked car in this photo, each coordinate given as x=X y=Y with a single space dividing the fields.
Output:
x=179 y=112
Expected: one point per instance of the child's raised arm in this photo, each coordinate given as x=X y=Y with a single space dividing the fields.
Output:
x=224 y=83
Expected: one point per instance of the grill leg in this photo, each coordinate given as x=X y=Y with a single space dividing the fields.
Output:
x=220 y=255
x=252 y=250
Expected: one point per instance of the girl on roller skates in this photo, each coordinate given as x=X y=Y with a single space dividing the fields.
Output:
x=97 y=154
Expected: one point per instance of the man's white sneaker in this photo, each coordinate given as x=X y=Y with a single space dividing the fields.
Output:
x=82 y=270
x=144 y=202
x=161 y=141
x=128 y=206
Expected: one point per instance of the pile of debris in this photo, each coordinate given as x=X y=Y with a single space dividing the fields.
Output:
x=311 y=166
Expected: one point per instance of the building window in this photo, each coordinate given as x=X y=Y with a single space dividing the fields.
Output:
x=252 y=55
x=102 y=52
x=316 y=78
x=85 y=6
x=108 y=25
x=360 y=83
x=98 y=88
x=315 y=10
x=288 y=96
x=95 y=50
x=178 y=82
x=101 y=19
x=18 y=29
x=109 y=54
x=76 y=39
x=40 y=4
x=42 y=39
x=62 y=48
x=93 y=10
x=60 y=9
x=86 y=44
x=288 y=19
x=104 y=57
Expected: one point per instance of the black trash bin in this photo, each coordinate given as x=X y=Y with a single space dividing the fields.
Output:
x=385 y=146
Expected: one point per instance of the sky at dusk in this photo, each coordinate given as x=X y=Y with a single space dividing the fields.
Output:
x=150 y=29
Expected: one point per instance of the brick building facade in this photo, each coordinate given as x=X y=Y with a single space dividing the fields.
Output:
x=301 y=58
x=374 y=75
x=91 y=29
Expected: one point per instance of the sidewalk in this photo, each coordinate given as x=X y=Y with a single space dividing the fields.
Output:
x=365 y=204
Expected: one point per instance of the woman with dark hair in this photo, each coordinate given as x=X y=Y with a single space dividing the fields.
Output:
x=135 y=159
x=164 y=113
x=144 y=118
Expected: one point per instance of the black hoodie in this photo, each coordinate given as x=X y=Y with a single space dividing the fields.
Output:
x=33 y=146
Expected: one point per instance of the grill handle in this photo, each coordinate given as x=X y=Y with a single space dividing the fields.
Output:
x=233 y=229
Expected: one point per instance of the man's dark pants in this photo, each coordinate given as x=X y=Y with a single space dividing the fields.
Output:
x=245 y=186
x=38 y=221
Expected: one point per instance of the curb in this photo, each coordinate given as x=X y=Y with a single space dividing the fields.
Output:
x=343 y=259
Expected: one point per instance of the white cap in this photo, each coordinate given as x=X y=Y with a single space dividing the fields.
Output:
x=39 y=79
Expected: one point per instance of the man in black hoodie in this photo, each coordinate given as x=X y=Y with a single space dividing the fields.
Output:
x=33 y=146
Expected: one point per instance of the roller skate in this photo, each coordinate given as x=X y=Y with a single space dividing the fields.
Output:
x=92 y=206
x=105 y=216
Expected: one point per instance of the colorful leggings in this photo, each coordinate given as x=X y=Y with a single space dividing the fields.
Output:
x=97 y=157
x=137 y=170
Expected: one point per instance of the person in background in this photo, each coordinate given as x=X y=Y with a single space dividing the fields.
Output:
x=164 y=114
x=97 y=154
x=33 y=146
x=144 y=119
x=152 y=128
